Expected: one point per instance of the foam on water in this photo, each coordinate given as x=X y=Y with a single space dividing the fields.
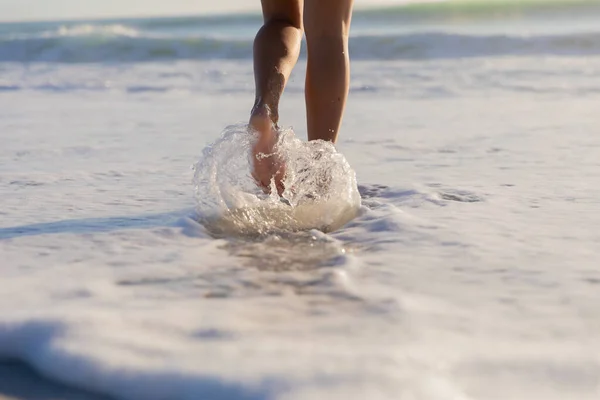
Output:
x=320 y=187
x=90 y=30
x=87 y=44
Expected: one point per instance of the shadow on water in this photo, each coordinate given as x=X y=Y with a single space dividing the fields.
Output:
x=94 y=225
x=18 y=381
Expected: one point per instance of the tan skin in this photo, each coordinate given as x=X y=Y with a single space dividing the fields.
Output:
x=276 y=50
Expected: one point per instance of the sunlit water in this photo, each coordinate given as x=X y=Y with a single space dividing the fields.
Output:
x=467 y=268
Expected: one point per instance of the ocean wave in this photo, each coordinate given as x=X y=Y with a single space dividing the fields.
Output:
x=73 y=30
x=114 y=30
x=91 y=49
x=84 y=45
x=475 y=9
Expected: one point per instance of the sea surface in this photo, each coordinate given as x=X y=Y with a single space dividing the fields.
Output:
x=446 y=248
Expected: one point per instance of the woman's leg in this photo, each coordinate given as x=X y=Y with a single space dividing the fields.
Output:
x=276 y=50
x=327 y=24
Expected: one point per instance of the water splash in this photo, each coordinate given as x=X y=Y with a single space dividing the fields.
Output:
x=321 y=191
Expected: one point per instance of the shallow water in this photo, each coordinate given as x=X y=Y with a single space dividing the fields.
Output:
x=470 y=271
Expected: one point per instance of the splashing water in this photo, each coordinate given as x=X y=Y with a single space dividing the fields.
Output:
x=320 y=187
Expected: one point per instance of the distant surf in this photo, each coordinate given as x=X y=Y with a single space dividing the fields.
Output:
x=106 y=45
x=413 y=31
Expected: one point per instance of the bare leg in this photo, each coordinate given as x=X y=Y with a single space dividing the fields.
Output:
x=327 y=24
x=276 y=50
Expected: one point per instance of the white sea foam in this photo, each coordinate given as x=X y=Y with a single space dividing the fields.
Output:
x=92 y=30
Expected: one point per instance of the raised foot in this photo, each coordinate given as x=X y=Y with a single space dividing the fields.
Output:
x=267 y=165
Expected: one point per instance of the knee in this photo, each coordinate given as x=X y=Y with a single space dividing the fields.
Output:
x=327 y=46
x=330 y=32
x=283 y=29
x=331 y=37
x=281 y=21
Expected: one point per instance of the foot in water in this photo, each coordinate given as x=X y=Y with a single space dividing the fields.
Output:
x=267 y=165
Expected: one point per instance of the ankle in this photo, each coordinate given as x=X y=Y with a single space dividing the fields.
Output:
x=263 y=110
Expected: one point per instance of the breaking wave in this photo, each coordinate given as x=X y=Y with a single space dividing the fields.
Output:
x=88 y=44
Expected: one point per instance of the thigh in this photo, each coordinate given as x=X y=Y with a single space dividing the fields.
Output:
x=327 y=17
x=283 y=10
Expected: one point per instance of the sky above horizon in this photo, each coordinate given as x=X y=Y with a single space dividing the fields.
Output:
x=23 y=10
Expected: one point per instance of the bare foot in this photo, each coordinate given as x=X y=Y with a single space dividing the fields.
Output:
x=266 y=164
